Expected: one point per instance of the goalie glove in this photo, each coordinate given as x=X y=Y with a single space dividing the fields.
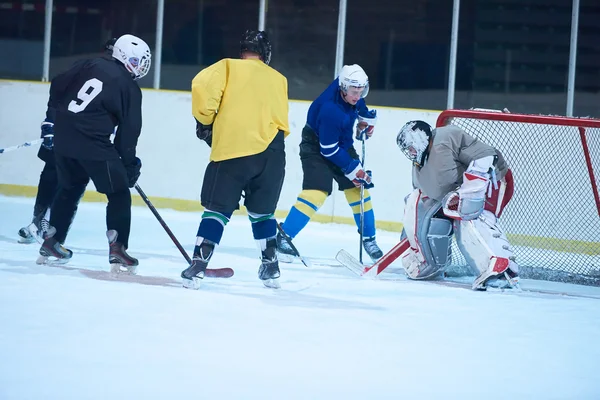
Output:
x=47 y=134
x=360 y=177
x=204 y=132
x=366 y=124
x=468 y=201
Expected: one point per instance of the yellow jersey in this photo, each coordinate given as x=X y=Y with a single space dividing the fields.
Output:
x=247 y=103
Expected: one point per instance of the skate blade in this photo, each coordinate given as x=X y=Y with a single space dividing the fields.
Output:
x=120 y=269
x=49 y=260
x=272 y=283
x=193 y=283
x=286 y=258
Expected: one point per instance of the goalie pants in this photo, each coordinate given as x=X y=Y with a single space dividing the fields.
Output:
x=109 y=177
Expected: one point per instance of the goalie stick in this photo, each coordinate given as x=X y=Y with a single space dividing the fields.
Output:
x=210 y=272
x=346 y=259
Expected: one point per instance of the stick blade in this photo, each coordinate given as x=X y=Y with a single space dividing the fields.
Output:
x=346 y=259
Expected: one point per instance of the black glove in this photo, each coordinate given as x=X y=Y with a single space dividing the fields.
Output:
x=204 y=132
x=47 y=134
x=133 y=171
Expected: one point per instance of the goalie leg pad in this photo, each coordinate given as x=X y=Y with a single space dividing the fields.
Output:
x=429 y=237
x=485 y=247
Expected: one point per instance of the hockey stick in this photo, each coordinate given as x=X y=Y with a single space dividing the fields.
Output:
x=26 y=144
x=362 y=206
x=289 y=241
x=217 y=272
x=374 y=270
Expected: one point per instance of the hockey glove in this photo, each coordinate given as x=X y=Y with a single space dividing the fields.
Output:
x=468 y=201
x=366 y=124
x=134 y=171
x=359 y=177
x=47 y=134
x=204 y=132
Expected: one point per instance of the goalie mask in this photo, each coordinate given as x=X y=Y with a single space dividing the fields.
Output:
x=353 y=76
x=134 y=54
x=413 y=141
x=256 y=42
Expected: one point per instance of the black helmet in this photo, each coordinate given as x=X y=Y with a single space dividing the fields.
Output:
x=256 y=42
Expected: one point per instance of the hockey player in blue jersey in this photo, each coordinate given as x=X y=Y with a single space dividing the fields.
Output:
x=327 y=154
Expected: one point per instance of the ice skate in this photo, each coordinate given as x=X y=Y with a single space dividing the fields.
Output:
x=372 y=249
x=25 y=237
x=193 y=275
x=39 y=230
x=120 y=261
x=284 y=251
x=52 y=252
x=507 y=279
x=268 y=271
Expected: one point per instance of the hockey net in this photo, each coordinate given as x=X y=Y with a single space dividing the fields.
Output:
x=553 y=220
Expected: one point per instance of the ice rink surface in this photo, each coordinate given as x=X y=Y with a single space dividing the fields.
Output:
x=73 y=332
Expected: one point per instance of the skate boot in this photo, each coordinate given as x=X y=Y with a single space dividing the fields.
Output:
x=370 y=246
x=39 y=230
x=507 y=280
x=52 y=252
x=120 y=261
x=193 y=275
x=269 y=269
x=285 y=252
x=25 y=237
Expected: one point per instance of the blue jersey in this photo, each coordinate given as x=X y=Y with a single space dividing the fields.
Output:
x=333 y=120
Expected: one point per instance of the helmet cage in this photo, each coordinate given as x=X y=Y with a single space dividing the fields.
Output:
x=413 y=141
x=134 y=54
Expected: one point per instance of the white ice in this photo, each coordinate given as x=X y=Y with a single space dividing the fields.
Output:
x=72 y=334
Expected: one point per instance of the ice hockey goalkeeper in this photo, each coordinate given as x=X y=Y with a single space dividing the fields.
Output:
x=461 y=186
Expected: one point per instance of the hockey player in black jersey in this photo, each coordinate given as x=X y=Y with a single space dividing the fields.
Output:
x=48 y=183
x=91 y=99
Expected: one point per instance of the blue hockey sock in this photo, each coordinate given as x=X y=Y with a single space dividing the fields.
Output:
x=212 y=225
x=264 y=226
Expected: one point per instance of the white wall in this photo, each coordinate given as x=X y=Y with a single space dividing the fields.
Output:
x=174 y=159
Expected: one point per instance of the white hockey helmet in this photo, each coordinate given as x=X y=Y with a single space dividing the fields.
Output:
x=135 y=55
x=354 y=75
x=413 y=141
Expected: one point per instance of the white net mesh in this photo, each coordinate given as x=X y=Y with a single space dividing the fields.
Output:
x=553 y=220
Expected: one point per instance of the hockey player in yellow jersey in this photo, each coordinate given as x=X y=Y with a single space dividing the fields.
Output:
x=241 y=111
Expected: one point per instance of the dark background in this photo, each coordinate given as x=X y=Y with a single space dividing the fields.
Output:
x=512 y=53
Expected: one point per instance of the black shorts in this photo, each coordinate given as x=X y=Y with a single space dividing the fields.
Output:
x=319 y=172
x=259 y=176
x=108 y=176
